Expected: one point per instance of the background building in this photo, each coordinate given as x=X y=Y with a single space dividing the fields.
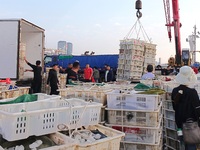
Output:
x=69 y=48
x=65 y=46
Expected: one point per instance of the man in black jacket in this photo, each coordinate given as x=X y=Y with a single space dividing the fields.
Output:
x=109 y=74
x=37 y=79
x=53 y=80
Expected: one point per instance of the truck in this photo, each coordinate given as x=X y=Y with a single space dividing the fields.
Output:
x=94 y=60
x=19 y=38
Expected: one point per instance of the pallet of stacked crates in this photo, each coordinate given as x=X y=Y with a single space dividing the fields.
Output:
x=170 y=129
x=139 y=116
x=131 y=59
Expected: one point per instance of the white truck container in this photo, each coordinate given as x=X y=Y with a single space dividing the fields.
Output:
x=19 y=39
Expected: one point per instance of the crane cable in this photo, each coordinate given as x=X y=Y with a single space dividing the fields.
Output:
x=138 y=6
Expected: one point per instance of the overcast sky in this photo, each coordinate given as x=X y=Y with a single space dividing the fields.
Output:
x=98 y=25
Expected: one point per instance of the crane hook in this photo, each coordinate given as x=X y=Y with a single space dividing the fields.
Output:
x=138 y=6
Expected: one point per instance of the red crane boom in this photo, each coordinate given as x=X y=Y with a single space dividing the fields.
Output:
x=176 y=24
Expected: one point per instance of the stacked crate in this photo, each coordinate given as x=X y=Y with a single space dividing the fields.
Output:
x=169 y=128
x=139 y=116
x=134 y=56
x=131 y=59
x=149 y=55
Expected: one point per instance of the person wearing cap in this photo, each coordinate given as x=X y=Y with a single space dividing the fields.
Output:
x=149 y=74
x=73 y=73
x=183 y=100
x=37 y=78
x=53 y=80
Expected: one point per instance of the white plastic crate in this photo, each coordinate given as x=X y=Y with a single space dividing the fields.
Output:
x=122 y=56
x=145 y=135
x=133 y=68
x=150 y=60
x=138 y=58
x=149 y=46
x=130 y=100
x=172 y=143
x=140 y=146
x=83 y=113
x=111 y=142
x=169 y=114
x=121 y=61
x=150 y=51
x=149 y=55
x=40 y=96
x=171 y=124
x=132 y=52
x=19 y=121
x=121 y=50
x=167 y=104
x=62 y=142
x=136 y=73
x=135 y=47
x=134 y=62
x=135 y=118
x=120 y=71
x=96 y=95
x=44 y=117
x=120 y=66
x=171 y=133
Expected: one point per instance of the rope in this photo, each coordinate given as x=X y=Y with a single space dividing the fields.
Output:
x=138 y=29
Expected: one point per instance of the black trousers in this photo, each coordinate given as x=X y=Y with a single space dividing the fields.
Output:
x=36 y=86
x=54 y=89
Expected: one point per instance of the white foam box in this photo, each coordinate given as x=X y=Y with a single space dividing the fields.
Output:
x=137 y=134
x=133 y=101
x=135 y=118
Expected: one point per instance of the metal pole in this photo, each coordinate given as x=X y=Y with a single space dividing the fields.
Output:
x=195 y=36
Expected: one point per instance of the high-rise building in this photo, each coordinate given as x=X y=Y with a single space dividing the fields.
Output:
x=62 y=45
x=65 y=46
x=69 y=48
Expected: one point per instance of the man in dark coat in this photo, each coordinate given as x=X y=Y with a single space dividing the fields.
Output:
x=108 y=75
x=37 y=79
x=53 y=80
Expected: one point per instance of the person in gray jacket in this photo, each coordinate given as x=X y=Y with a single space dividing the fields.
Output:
x=96 y=74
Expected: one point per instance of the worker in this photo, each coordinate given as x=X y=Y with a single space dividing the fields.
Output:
x=149 y=74
x=66 y=70
x=73 y=73
x=185 y=102
x=53 y=80
x=88 y=73
x=96 y=74
x=108 y=74
x=37 y=79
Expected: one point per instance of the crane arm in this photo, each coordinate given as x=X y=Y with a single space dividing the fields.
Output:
x=168 y=19
x=176 y=24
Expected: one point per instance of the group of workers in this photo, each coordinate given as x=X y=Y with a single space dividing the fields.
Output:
x=89 y=75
